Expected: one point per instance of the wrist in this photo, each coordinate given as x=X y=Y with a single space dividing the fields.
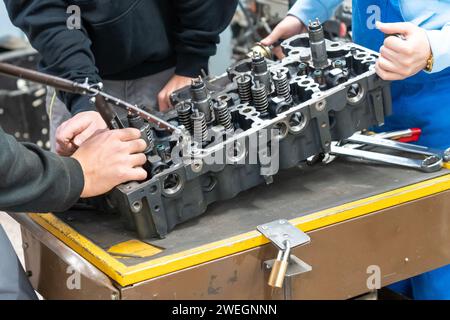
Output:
x=429 y=63
x=84 y=193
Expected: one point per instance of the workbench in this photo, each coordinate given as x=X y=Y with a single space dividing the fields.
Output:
x=358 y=215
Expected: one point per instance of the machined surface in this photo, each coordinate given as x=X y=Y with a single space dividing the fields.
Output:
x=241 y=134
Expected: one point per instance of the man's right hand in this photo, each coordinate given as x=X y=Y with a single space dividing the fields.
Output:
x=71 y=134
x=110 y=158
x=287 y=28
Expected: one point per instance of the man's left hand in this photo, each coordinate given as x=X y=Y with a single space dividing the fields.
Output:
x=402 y=58
x=177 y=82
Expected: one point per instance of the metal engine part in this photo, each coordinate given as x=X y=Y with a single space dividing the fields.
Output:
x=225 y=150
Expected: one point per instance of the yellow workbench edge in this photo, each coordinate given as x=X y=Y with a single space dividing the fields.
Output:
x=128 y=275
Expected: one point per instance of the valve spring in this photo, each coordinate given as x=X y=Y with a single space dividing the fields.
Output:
x=223 y=115
x=282 y=86
x=200 y=126
x=244 y=83
x=260 y=98
x=184 y=111
x=151 y=142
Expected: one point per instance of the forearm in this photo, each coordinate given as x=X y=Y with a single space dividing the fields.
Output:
x=440 y=46
x=200 y=23
x=36 y=180
x=64 y=53
x=309 y=10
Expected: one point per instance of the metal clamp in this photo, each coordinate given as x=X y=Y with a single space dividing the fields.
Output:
x=285 y=237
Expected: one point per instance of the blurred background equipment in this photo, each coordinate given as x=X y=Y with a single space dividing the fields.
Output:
x=255 y=19
x=22 y=103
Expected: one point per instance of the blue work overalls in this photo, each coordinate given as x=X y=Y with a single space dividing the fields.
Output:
x=422 y=101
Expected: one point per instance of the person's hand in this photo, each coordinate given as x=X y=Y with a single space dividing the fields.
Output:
x=71 y=134
x=402 y=58
x=289 y=27
x=110 y=158
x=177 y=82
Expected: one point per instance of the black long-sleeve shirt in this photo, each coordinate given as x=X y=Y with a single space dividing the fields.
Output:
x=34 y=180
x=121 y=39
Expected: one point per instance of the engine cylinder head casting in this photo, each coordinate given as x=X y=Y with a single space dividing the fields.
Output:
x=252 y=133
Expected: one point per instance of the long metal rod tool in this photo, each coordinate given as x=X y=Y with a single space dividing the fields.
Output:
x=430 y=164
x=351 y=148
x=399 y=146
x=102 y=99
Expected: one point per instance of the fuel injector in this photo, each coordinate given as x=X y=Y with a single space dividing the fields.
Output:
x=201 y=99
x=318 y=45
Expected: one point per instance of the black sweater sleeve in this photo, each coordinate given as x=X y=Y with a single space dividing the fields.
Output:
x=60 y=47
x=35 y=180
x=199 y=24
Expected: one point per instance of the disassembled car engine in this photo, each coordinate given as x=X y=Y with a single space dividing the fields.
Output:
x=241 y=128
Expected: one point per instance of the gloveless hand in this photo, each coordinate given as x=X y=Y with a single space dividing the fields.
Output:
x=74 y=132
x=288 y=27
x=402 y=58
x=175 y=83
x=110 y=158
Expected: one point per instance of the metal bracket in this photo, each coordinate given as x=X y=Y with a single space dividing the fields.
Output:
x=295 y=267
x=280 y=233
x=281 y=230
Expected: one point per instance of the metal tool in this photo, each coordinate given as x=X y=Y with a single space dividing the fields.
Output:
x=408 y=135
x=102 y=99
x=350 y=147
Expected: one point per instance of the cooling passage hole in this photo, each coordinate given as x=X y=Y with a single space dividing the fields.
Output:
x=355 y=93
x=282 y=129
x=172 y=184
x=236 y=151
x=297 y=122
